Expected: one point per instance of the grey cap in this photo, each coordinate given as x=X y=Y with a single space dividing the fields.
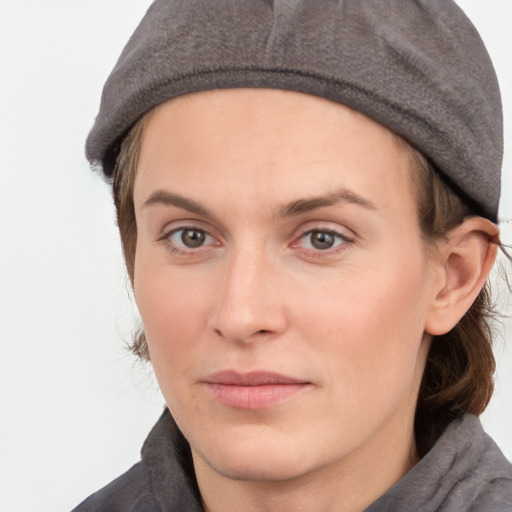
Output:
x=418 y=67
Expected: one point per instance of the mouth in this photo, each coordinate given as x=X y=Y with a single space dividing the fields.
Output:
x=253 y=390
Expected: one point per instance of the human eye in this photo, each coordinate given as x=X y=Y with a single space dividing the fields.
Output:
x=319 y=241
x=188 y=240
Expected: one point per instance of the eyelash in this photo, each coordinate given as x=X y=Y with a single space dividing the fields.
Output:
x=342 y=240
x=182 y=250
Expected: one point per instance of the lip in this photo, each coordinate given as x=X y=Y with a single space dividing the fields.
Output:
x=253 y=390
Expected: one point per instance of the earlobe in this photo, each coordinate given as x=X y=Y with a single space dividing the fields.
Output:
x=465 y=261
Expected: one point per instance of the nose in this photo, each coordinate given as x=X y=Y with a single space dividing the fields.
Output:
x=250 y=304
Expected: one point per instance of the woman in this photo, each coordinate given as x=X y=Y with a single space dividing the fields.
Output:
x=307 y=198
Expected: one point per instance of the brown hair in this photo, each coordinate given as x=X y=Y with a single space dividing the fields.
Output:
x=458 y=376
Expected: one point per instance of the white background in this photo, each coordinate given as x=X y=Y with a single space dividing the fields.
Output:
x=75 y=407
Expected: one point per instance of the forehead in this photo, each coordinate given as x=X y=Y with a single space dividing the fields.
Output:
x=276 y=143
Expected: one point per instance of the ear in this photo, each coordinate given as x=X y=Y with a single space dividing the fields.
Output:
x=464 y=262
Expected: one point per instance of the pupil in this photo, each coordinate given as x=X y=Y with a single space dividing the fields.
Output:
x=322 y=240
x=192 y=238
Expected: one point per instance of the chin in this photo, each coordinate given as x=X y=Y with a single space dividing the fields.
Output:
x=253 y=452
x=259 y=465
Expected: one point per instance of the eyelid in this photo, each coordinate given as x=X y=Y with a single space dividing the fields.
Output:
x=325 y=226
x=188 y=223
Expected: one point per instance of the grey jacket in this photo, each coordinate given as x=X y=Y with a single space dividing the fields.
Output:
x=464 y=471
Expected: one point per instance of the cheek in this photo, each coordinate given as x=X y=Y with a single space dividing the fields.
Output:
x=171 y=307
x=371 y=327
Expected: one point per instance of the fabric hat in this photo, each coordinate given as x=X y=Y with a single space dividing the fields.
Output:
x=418 y=67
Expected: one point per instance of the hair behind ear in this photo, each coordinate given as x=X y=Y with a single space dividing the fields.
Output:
x=458 y=376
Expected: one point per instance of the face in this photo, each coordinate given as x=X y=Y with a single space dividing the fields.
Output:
x=281 y=280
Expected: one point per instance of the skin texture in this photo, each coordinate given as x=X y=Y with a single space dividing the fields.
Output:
x=261 y=179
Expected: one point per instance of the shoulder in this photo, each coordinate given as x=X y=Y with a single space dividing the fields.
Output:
x=127 y=493
x=484 y=483
x=496 y=496
x=464 y=471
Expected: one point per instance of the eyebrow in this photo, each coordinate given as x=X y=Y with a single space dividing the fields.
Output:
x=162 y=197
x=341 y=196
x=297 y=207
